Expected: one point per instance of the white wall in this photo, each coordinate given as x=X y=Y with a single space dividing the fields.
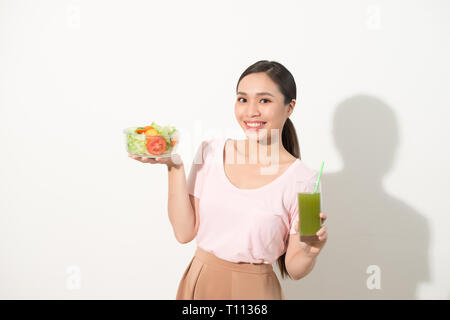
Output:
x=79 y=219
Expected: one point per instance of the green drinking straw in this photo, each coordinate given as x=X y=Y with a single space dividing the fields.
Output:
x=318 y=179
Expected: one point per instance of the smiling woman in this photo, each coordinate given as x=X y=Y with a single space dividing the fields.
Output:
x=243 y=231
x=280 y=98
x=266 y=97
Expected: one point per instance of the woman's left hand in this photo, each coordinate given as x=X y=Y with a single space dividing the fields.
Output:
x=313 y=248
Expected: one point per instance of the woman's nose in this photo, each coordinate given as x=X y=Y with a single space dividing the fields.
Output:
x=253 y=109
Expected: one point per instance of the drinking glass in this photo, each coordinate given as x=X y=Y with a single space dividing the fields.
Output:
x=309 y=209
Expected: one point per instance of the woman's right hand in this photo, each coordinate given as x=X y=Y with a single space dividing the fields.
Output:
x=173 y=161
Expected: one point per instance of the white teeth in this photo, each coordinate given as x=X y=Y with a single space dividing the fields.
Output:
x=255 y=124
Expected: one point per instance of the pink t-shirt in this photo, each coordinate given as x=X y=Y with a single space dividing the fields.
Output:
x=243 y=225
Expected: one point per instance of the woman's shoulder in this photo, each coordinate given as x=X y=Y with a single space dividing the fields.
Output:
x=210 y=149
x=304 y=172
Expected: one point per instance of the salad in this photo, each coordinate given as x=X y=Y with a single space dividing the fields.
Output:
x=152 y=140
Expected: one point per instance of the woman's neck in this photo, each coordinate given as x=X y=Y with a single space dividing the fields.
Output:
x=261 y=152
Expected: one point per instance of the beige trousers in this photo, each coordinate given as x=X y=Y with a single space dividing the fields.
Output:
x=208 y=277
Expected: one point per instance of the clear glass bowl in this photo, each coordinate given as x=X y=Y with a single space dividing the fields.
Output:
x=136 y=144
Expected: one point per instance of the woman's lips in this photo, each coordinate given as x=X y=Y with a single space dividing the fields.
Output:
x=253 y=127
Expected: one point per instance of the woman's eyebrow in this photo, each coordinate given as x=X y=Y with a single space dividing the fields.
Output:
x=258 y=93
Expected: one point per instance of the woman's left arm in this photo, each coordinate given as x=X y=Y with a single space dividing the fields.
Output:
x=301 y=256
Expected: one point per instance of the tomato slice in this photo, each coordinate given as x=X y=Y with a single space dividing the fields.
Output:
x=156 y=145
x=143 y=129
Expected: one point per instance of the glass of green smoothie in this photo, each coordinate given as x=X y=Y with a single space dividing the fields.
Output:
x=309 y=209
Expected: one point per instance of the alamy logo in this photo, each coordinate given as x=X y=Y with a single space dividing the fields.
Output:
x=374 y=280
x=73 y=281
x=73 y=17
x=373 y=17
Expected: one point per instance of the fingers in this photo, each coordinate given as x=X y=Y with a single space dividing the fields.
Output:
x=323 y=217
x=144 y=160
x=173 y=160
x=322 y=233
x=303 y=245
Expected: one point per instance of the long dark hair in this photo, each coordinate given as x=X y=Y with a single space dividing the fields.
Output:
x=286 y=84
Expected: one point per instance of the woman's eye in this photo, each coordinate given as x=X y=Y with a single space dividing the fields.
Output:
x=239 y=99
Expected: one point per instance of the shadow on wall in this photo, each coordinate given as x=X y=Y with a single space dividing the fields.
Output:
x=366 y=226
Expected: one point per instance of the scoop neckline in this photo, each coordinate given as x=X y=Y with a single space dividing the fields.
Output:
x=264 y=187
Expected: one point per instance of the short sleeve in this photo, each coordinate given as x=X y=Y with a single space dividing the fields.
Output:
x=293 y=212
x=293 y=218
x=197 y=174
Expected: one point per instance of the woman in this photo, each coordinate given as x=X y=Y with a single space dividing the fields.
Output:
x=243 y=213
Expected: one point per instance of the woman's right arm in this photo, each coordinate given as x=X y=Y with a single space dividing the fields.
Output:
x=181 y=206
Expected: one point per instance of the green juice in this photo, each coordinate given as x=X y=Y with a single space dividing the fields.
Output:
x=309 y=215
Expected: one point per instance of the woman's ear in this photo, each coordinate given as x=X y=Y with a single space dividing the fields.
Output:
x=291 y=107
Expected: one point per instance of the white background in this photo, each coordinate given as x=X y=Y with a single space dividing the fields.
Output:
x=79 y=219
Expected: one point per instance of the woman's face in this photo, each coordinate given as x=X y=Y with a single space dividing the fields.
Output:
x=259 y=100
